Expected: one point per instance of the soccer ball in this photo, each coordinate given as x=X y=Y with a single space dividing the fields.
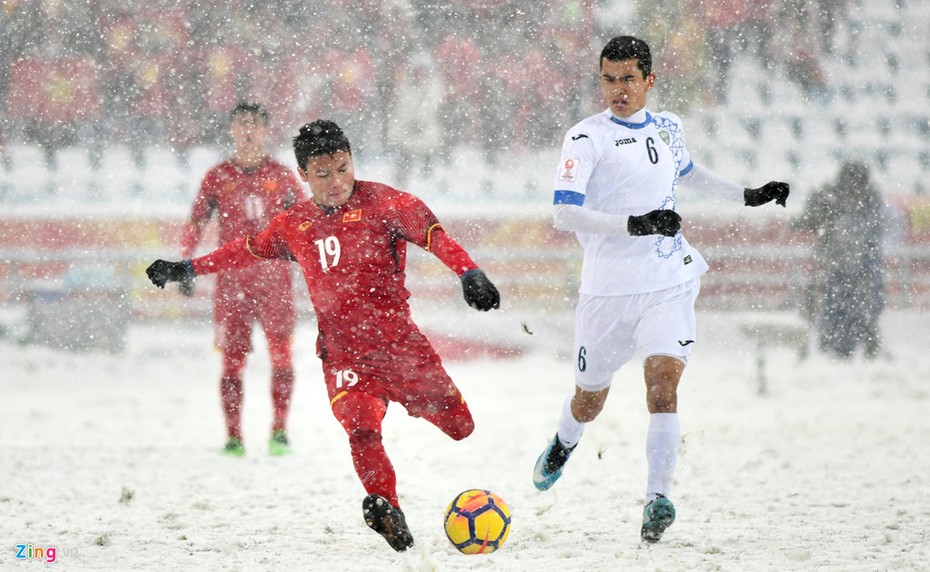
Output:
x=477 y=522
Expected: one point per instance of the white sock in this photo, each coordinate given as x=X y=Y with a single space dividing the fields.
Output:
x=570 y=429
x=661 y=453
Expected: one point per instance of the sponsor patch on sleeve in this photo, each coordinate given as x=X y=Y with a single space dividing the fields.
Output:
x=568 y=170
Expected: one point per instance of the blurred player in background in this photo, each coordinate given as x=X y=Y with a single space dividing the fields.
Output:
x=615 y=188
x=845 y=296
x=351 y=242
x=243 y=193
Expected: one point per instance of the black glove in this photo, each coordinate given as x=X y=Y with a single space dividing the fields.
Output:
x=660 y=221
x=479 y=292
x=161 y=272
x=772 y=190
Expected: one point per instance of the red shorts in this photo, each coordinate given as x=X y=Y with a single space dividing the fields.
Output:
x=240 y=302
x=410 y=374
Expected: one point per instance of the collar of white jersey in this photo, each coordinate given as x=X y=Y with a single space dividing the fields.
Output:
x=636 y=121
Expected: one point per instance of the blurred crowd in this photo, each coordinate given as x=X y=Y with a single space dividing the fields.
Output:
x=698 y=42
x=166 y=73
x=401 y=76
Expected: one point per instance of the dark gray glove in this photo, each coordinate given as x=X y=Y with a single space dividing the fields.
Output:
x=662 y=221
x=773 y=190
x=161 y=272
x=479 y=292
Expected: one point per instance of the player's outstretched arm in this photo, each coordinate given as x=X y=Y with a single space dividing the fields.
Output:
x=771 y=191
x=661 y=221
x=480 y=293
x=232 y=255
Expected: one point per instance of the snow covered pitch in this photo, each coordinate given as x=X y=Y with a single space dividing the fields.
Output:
x=114 y=461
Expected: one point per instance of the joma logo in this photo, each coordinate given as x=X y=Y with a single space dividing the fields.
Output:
x=626 y=141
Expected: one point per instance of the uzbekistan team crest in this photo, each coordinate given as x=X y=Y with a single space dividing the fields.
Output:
x=664 y=136
x=569 y=170
x=352 y=216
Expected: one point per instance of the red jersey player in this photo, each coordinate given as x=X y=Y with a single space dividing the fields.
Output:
x=350 y=242
x=243 y=193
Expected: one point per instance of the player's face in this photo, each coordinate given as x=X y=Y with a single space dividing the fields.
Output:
x=248 y=133
x=331 y=178
x=623 y=86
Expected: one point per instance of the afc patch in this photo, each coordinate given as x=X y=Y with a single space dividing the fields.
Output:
x=305 y=225
x=352 y=216
x=270 y=186
x=688 y=259
x=569 y=170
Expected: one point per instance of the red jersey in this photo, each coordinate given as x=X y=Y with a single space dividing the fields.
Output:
x=354 y=262
x=243 y=202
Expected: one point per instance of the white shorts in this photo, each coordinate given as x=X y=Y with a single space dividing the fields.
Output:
x=610 y=330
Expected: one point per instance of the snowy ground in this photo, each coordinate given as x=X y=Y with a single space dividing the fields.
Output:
x=114 y=461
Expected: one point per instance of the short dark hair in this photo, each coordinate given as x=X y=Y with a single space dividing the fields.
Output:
x=628 y=48
x=322 y=137
x=250 y=108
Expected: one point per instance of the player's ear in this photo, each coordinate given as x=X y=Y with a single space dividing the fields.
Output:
x=303 y=175
x=650 y=81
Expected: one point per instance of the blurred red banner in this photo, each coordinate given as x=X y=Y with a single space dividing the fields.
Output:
x=54 y=90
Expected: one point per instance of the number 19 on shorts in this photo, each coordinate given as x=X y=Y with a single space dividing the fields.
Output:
x=346 y=378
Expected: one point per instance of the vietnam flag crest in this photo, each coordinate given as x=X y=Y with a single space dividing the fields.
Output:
x=352 y=216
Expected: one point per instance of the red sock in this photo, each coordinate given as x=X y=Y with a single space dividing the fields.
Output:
x=360 y=415
x=282 y=385
x=372 y=465
x=231 y=394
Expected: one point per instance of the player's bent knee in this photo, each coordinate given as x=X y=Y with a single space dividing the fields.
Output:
x=364 y=438
x=587 y=405
x=465 y=429
x=233 y=364
x=280 y=352
x=457 y=423
x=587 y=412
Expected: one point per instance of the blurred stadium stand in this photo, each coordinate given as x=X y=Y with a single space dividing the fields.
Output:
x=117 y=203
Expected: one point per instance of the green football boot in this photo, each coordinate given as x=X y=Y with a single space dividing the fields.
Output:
x=657 y=516
x=234 y=447
x=278 y=445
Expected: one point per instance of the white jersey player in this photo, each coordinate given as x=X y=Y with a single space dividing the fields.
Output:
x=616 y=187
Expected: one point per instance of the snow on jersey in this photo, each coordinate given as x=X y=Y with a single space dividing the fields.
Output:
x=242 y=202
x=353 y=259
x=622 y=168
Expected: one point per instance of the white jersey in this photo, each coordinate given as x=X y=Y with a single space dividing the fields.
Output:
x=627 y=167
